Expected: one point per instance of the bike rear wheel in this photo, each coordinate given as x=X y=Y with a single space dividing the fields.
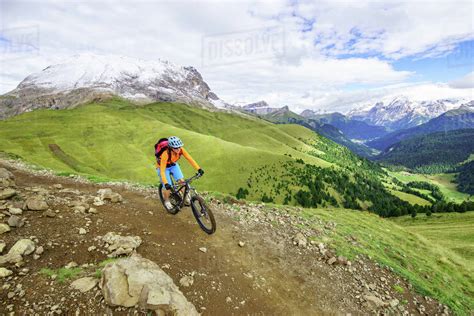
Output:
x=175 y=200
x=203 y=215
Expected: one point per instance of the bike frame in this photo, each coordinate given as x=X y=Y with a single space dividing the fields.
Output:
x=187 y=187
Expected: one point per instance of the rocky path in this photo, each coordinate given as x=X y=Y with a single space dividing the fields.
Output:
x=246 y=267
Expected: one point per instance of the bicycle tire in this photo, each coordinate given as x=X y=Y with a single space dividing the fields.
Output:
x=199 y=215
x=175 y=209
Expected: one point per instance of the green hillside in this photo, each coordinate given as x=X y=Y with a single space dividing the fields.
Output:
x=465 y=178
x=431 y=153
x=280 y=163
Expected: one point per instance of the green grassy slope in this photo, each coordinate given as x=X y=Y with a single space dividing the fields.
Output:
x=114 y=140
x=454 y=231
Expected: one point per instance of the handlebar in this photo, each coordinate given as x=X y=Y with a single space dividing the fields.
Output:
x=188 y=181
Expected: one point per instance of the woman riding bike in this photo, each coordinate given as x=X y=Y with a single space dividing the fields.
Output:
x=167 y=164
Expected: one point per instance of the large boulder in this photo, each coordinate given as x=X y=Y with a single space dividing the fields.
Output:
x=139 y=281
x=121 y=245
x=36 y=203
x=6 y=178
x=108 y=194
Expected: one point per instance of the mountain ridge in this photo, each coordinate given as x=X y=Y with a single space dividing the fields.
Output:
x=86 y=77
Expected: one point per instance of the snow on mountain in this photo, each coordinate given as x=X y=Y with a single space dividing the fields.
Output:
x=84 y=77
x=402 y=112
x=260 y=108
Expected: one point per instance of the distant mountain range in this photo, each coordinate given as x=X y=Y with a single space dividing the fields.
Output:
x=402 y=113
x=284 y=115
x=460 y=118
x=351 y=128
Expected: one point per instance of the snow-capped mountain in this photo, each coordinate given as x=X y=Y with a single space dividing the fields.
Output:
x=260 y=108
x=401 y=112
x=86 y=77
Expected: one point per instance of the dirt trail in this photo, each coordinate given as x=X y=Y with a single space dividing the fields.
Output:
x=264 y=277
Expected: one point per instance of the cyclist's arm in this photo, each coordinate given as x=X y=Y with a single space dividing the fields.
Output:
x=190 y=159
x=163 y=161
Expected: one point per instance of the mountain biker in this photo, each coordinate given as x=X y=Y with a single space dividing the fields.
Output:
x=167 y=164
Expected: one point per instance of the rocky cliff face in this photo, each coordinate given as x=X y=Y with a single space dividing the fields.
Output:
x=87 y=77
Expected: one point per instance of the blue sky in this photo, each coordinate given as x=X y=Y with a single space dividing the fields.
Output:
x=455 y=64
x=322 y=54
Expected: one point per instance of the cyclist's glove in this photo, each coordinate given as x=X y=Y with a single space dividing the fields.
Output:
x=168 y=186
x=201 y=172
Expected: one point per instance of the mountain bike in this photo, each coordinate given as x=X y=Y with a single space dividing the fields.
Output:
x=201 y=211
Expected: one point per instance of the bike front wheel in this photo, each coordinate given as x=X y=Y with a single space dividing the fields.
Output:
x=203 y=215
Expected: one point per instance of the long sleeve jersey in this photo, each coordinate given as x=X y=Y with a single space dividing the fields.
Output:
x=165 y=159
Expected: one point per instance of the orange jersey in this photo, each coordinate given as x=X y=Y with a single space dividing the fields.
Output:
x=164 y=158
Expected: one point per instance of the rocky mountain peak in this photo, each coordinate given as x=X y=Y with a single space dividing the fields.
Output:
x=86 y=77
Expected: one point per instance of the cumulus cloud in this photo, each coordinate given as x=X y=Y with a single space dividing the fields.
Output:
x=466 y=82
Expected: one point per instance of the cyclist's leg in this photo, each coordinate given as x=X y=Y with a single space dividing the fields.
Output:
x=177 y=173
x=166 y=193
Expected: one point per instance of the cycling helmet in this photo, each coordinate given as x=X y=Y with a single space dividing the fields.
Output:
x=175 y=142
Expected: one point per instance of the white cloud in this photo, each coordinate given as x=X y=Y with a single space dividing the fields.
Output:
x=466 y=82
x=307 y=74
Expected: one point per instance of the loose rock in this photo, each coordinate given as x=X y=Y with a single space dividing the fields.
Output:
x=300 y=240
x=49 y=213
x=108 y=194
x=6 y=178
x=22 y=247
x=15 y=211
x=84 y=284
x=186 y=281
x=4 y=228
x=36 y=204
x=5 y=272
x=7 y=193
x=121 y=245
x=15 y=221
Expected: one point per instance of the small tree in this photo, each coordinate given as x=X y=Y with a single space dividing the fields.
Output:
x=428 y=213
x=413 y=213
